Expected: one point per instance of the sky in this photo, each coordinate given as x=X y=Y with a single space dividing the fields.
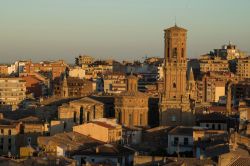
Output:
x=117 y=29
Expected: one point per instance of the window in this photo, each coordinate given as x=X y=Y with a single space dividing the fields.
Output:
x=182 y=52
x=219 y=126
x=168 y=53
x=174 y=85
x=120 y=117
x=94 y=112
x=174 y=52
x=168 y=49
x=9 y=141
x=29 y=140
x=185 y=141
x=173 y=118
x=130 y=120
x=176 y=141
x=213 y=126
x=141 y=116
x=64 y=125
x=9 y=132
x=88 y=117
x=1 y=140
x=81 y=116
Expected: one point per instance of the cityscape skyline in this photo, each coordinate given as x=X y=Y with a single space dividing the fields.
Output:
x=63 y=30
x=119 y=83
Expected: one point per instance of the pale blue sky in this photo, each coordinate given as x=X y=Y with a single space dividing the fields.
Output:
x=120 y=29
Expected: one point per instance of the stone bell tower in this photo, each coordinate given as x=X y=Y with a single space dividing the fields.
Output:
x=65 y=88
x=175 y=62
x=174 y=100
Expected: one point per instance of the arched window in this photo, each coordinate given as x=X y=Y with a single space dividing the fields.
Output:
x=88 y=116
x=94 y=112
x=75 y=117
x=174 y=85
x=130 y=120
x=174 y=52
x=141 y=119
x=168 y=53
x=81 y=115
x=131 y=86
x=120 y=117
x=182 y=52
x=168 y=45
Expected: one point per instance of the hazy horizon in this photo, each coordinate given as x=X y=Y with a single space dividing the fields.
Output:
x=129 y=30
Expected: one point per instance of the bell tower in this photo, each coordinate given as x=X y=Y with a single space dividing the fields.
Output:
x=174 y=105
x=132 y=84
x=65 y=88
x=175 y=62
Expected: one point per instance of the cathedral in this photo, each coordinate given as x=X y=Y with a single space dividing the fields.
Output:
x=175 y=101
x=131 y=106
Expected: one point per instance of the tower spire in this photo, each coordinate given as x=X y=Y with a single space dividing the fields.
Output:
x=191 y=75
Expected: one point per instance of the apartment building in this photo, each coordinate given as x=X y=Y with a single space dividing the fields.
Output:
x=97 y=68
x=212 y=86
x=84 y=60
x=208 y=64
x=229 y=52
x=243 y=68
x=3 y=70
x=108 y=130
x=77 y=72
x=242 y=90
x=12 y=92
x=114 y=83
x=36 y=84
x=9 y=142
x=57 y=68
x=72 y=87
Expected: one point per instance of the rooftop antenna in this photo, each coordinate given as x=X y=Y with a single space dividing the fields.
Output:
x=175 y=21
